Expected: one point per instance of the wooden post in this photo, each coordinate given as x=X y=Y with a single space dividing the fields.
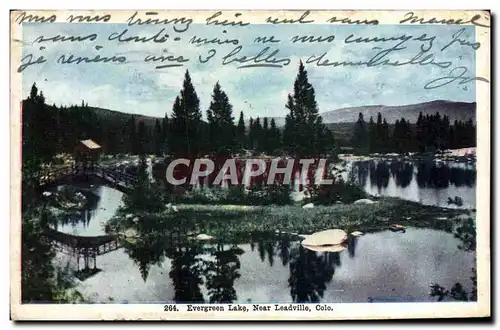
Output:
x=86 y=259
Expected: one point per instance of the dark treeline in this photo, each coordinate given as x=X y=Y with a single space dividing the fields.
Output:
x=430 y=133
x=49 y=129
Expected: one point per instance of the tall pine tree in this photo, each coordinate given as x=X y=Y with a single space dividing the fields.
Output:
x=304 y=129
x=186 y=121
x=241 y=131
x=158 y=138
x=221 y=122
x=360 y=137
x=274 y=136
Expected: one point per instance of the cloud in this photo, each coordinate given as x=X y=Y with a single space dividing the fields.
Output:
x=137 y=87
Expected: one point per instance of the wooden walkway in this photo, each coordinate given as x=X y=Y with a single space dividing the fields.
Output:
x=121 y=180
x=85 y=247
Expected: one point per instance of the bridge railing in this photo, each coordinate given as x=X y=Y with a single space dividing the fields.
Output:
x=50 y=175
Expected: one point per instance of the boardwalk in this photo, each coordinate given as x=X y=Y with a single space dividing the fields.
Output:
x=121 y=180
x=87 y=247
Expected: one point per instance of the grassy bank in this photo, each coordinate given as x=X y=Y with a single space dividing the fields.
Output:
x=233 y=222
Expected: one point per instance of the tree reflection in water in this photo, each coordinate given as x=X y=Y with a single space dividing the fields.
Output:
x=82 y=215
x=309 y=273
x=351 y=246
x=145 y=254
x=379 y=174
x=466 y=233
x=402 y=172
x=222 y=273
x=284 y=250
x=186 y=272
x=429 y=174
x=188 y=269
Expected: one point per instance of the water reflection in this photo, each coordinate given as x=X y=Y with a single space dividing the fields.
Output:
x=186 y=273
x=101 y=204
x=267 y=268
x=309 y=273
x=427 y=182
x=466 y=233
x=222 y=273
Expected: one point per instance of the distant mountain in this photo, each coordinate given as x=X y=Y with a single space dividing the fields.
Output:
x=454 y=110
x=123 y=116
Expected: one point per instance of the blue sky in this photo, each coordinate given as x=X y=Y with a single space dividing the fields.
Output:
x=137 y=87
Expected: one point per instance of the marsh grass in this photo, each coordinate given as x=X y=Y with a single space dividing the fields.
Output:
x=232 y=223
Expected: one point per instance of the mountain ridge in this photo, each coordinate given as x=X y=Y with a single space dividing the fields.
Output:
x=454 y=110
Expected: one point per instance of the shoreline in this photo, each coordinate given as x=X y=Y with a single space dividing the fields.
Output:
x=235 y=222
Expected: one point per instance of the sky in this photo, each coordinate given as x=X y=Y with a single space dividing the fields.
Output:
x=137 y=87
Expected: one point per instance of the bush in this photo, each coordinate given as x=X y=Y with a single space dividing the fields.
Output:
x=277 y=194
x=236 y=195
x=339 y=191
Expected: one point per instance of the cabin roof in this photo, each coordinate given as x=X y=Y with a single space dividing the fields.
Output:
x=90 y=144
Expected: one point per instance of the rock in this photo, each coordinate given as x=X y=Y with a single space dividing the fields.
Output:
x=396 y=227
x=204 y=237
x=364 y=201
x=325 y=248
x=464 y=216
x=308 y=206
x=130 y=233
x=356 y=233
x=172 y=207
x=135 y=220
x=326 y=237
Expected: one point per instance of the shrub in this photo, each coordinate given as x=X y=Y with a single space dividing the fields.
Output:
x=338 y=191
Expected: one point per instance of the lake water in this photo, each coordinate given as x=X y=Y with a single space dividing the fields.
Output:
x=428 y=183
x=91 y=220
x=379 y=265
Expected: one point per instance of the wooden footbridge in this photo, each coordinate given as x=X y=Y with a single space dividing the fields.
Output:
x=119 y=179
x=87 y=247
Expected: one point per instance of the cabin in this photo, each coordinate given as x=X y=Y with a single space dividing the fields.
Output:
x=86 y=153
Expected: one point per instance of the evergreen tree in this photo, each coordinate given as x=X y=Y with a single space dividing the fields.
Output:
x=133 y=140
x=379 y=140
x=304 y=129
x=145 y=195
x=384 y=139
x=420 y=132
x=251 y=134
x=265 y=136
x=186 y=121
x=289 y=137
x=142 y=138
x=257 y=135
x=360 y=136
x=158 y=138
x=372 y=136
x=221 y=122
x=274 y=137
x=241 y=131
x=165 y=130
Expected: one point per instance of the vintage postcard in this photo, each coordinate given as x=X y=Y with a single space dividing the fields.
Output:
x=250 y=165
